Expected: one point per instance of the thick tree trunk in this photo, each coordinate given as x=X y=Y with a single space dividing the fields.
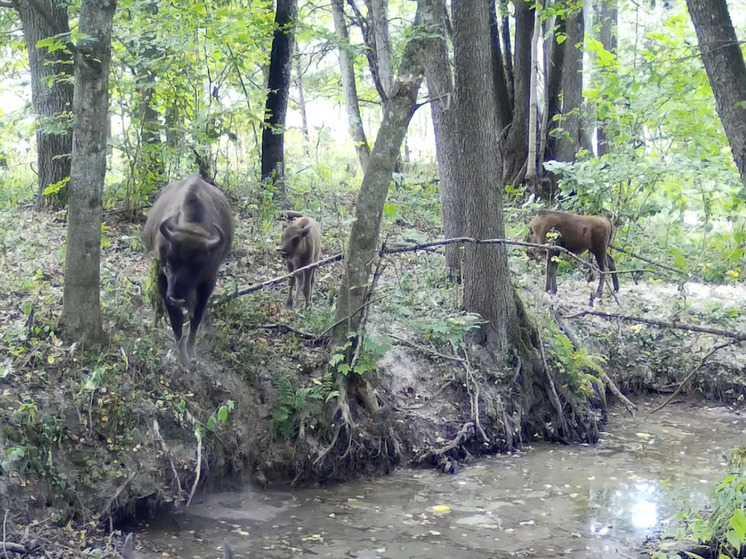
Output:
x=383 y=43
x=347 y=69
x=363 y=245
x=607 y=15
x=723 y=60
x=572 y=87
x=280 y=66
x=443 y=109
x=51 y=95
x=515 y=151
x=487 y=288
x=81 y=308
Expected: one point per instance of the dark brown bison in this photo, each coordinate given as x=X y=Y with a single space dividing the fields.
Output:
x=301 y=246
x=190 y=229
x=577 y=233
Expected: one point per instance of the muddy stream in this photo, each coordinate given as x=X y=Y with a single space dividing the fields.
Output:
x=546 y=501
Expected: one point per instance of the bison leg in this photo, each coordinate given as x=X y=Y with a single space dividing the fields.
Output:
x=612 y=268
x=175 y=314
x=308 y=286
x=203 y=296
x=551 y=283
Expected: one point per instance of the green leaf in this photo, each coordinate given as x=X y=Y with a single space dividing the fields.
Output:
x=212 y=423
x=389 y=209
x=733 y=539
x=738 y=522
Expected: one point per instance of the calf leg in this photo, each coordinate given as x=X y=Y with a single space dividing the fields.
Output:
x=551 y=283
x=600 y=260
x=308 y=286
x=612 y=267
x=175 y=314
x=291 y=289
x=203 y=296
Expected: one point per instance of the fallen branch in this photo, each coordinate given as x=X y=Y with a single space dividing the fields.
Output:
x=286 y=328
x=694 y=371
x=738 y=336
x=426 y=350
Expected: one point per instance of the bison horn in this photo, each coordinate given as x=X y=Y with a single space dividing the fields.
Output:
x=215 y=242
x=166 y=228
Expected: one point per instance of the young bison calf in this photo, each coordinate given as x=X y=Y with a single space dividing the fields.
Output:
x=301 y=246
x=578 y=233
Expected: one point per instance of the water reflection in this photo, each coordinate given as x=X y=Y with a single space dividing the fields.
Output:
x=547 y=501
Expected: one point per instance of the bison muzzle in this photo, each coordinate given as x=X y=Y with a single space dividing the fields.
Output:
x=578 y=234
x=190 y=230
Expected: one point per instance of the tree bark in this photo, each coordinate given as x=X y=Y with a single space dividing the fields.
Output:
x=363 y=244
x=51 y=95
x=280 y=66
x=368 y=30
x=507 y=50
x=515 y=151
x=724 y=63
x=302 y=102
x=486 y=281
x=349 y=87
x=532 y=172
x=572 y=87
x=443 y=110
x=607 y=14
x=81 y=308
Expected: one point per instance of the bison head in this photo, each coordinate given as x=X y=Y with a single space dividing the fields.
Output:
x=189 y=257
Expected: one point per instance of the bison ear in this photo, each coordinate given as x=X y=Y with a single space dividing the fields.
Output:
x=306 y=230
x=216 y=241
x=166 y=230
x=285 y=225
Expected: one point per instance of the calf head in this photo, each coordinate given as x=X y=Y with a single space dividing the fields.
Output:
x=292 y=235
x=188 y=256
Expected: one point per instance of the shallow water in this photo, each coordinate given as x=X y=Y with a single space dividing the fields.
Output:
x=546 y=501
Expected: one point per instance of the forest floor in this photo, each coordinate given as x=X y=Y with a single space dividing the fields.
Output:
x=101 y=435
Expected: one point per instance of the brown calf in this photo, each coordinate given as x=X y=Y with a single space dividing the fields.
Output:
x=577 y=233
x=190 y=230
x=301 y=246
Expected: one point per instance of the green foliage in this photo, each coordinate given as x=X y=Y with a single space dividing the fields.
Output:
x=721 y=530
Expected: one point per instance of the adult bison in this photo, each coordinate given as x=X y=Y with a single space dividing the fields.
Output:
x=577 y=233
x=190 y=230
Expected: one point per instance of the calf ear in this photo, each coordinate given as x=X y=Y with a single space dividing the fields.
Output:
x=306 y=230
x=216 y=241
x=166 y=227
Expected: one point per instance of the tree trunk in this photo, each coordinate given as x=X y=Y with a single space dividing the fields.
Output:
x=51 y=95
x=280 y=66
x=363 y=244
x=607 y=15
x=487 y=288
x=383 y=43
x=532 y=172
x=507 y=50
x=723 y=60
x=572 y=87
x=555 y=56
x=81 y=308
x=515 y=151
x=368 y=30
x=302 y=103
x=443 y=109
x=347 y=69
x=504 y=104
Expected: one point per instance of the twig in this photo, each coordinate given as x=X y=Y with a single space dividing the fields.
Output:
x=286 y=328
x=427 y=350
x=167 y=453
x=346 y=318
x=738 y=336
x=653 y=262
x=553 y=391
x=697 y=368
x=475 y=403
x=274 y=281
